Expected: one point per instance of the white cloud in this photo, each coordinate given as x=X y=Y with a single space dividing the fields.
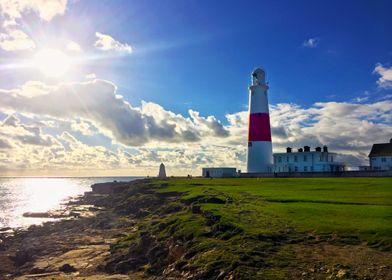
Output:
x=15 y=40
x=210 y=124
x=46 y=9
x=98 y=102
x=91 y=76
x=139 y=138
x=385 y=80
x=12 y=38
x=107 y=43
x=311 y=43
x=73 y=47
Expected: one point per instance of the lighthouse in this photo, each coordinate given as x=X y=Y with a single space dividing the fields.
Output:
x=259 y=134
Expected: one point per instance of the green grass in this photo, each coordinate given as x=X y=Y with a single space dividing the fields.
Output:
x=359 y=207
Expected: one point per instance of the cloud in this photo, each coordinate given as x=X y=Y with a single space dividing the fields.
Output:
x=311 y=43
x=91 y=76
x=24 y=134
x=385 y=80
x=15 y=40
x=98 y=102
x=12 y=38
x=58 y=127
x=210 y=124
x=46 y=9
x=73 y=47
x=107 y=43
x=4 y=144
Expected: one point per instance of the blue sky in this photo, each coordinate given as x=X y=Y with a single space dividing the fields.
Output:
x=203 y=51
x=182 y=69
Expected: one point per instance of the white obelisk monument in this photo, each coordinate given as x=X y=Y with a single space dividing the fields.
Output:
x=162 y=171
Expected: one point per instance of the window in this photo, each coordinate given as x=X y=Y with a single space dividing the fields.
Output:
x=331 y=158
x=295 y=168
x=383 y=159
x=305 y=168
x=295 y=158
x=311 y=168
x=287 y=159
x=321 y=158
x=305 y=158
x=249 y=144
x=279 y=159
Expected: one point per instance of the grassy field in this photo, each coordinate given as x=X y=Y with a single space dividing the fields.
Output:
x=279 y=228
x=359 y=207
x=275 y=228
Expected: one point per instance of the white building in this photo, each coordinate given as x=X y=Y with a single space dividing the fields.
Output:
x=319 y=160
x=380 y=156
x=219 y=172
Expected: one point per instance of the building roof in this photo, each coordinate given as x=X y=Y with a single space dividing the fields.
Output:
x=379 y=150
x=303 y=153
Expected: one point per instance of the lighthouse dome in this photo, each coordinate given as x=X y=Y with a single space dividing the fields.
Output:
x=258 y=76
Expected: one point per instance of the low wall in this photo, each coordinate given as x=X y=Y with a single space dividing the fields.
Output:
x=318 y=174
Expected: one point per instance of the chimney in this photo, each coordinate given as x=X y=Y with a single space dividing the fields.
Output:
x=300 y=150
x=307 y=149
x=288 y=149
x=318 y=149
x=325 y=149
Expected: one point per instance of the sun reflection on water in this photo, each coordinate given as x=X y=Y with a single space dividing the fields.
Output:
x=21 y=195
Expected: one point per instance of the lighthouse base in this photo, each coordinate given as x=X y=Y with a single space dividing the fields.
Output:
x=260 y=157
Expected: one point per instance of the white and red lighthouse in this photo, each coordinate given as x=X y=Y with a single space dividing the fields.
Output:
x=259 y=134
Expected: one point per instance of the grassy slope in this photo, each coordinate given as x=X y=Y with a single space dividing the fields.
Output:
x=346 y=206
x=272 y=228
x=263 y=214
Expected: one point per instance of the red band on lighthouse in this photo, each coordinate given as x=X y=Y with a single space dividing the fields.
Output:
x=259 y=127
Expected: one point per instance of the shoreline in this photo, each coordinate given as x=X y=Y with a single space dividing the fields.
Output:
x=19 y=212
x=21 y=247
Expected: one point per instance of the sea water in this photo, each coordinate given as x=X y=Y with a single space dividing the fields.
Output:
x=41 y=194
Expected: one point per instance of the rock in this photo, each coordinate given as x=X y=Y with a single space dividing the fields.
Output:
x=175 y=253
x=109 y=188
x=67 y=268
x=22 y=256
x=5 y=229
x=36 y=215
x=342 y=273
x=196 y=209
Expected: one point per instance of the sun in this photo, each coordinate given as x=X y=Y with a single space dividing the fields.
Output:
x=52 y=62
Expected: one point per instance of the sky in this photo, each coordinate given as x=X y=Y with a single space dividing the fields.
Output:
x=95 y=88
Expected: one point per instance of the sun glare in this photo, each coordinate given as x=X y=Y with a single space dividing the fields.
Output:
x=51 y=62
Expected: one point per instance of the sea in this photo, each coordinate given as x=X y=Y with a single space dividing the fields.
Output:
x=19 y=195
